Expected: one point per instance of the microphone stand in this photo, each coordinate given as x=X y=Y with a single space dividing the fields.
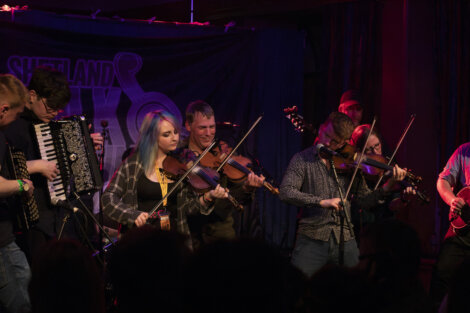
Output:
x=104 y=134
x=71 y=211
x=344 y=215
x=91 y=215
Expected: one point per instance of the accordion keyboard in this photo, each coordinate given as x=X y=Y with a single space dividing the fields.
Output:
x=48 y=152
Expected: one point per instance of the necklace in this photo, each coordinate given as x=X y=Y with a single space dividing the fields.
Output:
x=163 y=183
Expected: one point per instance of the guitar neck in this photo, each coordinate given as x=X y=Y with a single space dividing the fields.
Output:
x=310 y=129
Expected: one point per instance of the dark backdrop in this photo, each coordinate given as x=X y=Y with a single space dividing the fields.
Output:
x=119 y=71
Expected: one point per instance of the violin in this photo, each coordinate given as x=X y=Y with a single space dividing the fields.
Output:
x=373 y=166
x=201 y=179
x=236 y=168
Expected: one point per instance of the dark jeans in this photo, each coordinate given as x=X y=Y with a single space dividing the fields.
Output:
x=310 y=255
x=14 y=279
x=451 y=255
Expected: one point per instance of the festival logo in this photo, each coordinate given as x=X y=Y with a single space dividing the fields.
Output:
x=108 y=81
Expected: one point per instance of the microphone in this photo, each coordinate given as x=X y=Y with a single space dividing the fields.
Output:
x=104 y=123
x=325 y=152
x=63 y=204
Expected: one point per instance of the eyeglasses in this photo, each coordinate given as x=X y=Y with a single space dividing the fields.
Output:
x=49 y=110
x=373 y=148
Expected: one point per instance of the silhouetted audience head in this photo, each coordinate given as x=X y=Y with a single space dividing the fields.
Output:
x=390 y=257
x=390 y=249
x=241 y=276
x=339 y=289
x=65 y=278
x=145 y=270
x=459 y=289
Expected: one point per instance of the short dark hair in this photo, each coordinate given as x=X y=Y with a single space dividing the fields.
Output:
x=198 y=106
x=51 y=84
x=343 y=126
x=12 y=90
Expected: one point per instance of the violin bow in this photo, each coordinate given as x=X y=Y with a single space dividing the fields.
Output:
x=239 y=143
x=345 y=197
x=358 y=163
x=405 y=132
x=196 y=162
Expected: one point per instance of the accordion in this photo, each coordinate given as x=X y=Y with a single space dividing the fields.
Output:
x=27 y=213
x=68 y=143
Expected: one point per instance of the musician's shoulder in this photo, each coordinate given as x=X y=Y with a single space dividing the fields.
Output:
x=17 y=133
x=464 y=147
x=307 y=154
x=131 y=158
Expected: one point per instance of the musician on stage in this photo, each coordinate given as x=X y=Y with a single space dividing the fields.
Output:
x=49 y=94
x=14 y=269
x=456 y=245
x=309 y=183
x=350 y=104
x=141 y=182
x=200 y=122
x=400 y=197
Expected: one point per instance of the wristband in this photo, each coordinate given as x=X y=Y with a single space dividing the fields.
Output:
x=21 y=183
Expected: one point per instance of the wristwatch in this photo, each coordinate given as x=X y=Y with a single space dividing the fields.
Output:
x=25 y=185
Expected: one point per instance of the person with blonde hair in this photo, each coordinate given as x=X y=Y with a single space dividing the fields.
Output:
x=14 y=268
x=140 y=182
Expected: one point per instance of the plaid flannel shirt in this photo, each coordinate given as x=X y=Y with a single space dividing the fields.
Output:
x=120 y=202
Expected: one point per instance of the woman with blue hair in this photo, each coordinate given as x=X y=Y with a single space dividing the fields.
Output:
x=140 y=182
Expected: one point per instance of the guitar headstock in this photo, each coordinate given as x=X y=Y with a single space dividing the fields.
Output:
x=298 y=120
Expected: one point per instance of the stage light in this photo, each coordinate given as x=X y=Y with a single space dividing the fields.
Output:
x=7 y=8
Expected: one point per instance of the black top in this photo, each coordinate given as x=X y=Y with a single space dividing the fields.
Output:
x=149 y=193
x=6 y=227
x=20 y=134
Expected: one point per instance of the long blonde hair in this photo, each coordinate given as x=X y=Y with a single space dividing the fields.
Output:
x=147 y=146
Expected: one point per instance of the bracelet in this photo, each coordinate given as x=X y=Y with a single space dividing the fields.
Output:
x=21 y=183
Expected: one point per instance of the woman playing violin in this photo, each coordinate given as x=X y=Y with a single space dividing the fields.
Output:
x=140 y=183
x=400 y=197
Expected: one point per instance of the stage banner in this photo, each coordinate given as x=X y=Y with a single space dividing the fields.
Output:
x=118 y=71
